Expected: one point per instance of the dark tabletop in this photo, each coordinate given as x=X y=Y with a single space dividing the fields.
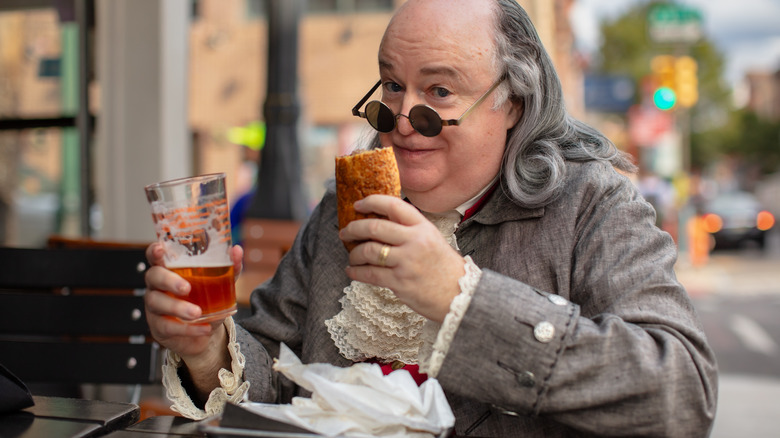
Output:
x=53 y=417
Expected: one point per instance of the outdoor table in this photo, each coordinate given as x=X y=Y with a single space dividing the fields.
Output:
x=161 y=426
x=53 y=417
x=240 y=424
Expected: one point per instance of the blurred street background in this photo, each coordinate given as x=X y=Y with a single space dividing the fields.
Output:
x=737 y=296
x=101 y=97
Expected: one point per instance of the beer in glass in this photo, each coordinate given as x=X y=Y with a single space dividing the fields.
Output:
x=192 y=221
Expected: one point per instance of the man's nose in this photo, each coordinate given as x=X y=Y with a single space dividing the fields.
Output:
x=402 y=120
x=404 y=124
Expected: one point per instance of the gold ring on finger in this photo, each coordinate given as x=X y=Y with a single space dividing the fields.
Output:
x=383 y=253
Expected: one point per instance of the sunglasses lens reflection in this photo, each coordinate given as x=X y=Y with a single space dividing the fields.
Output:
x=380 y=116
x=425 y=120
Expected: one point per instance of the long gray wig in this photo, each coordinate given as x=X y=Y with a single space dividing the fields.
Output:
x=533 y=168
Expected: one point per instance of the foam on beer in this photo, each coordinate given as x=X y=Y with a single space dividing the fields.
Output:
x=179 y=229
x=217 y=254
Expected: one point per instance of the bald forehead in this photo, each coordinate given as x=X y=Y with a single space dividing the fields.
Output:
x=458 y=27
x=437 y=15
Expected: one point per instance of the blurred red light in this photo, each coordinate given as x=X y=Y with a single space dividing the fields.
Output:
x=712 y=223
x=765 y=220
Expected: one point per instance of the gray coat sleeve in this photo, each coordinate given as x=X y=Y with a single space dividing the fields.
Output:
x=279 y=309
x=623 y=353
x=291 y=306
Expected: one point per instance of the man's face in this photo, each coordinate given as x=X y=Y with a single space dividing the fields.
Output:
x=440 y=53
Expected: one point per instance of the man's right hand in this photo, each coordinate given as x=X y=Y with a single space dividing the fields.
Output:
x=201 y=346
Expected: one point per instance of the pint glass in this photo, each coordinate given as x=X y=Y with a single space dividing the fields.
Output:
x=192 y=221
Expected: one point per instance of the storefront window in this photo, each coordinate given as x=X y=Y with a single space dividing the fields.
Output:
x=39 y=141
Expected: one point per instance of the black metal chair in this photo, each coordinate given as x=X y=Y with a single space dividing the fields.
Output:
x=75 y=316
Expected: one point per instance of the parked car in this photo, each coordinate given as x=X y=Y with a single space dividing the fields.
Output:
x=737 y=218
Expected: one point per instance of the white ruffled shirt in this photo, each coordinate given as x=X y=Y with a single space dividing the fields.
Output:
x=373 y=324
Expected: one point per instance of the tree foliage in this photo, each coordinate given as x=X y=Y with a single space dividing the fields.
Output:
x=757 y=141
x=626 y=48
x=717 y=129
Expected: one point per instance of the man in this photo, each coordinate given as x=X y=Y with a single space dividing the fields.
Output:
x=520 y=270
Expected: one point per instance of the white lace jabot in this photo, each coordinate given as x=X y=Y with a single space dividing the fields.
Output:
x=373 y=323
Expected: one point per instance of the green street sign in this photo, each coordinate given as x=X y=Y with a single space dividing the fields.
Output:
x=672 y=23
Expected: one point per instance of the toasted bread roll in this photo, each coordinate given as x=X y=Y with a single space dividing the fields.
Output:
x=361 y=174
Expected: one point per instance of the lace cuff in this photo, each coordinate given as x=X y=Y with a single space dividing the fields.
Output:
x=231 y=386
x=432 y=356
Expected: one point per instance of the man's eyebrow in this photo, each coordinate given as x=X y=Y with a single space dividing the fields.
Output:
x=385 y=65
x=427 y=71
x=440 y=70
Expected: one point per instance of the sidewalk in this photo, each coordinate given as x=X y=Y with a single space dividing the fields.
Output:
x=748 y=406
x=726 y=273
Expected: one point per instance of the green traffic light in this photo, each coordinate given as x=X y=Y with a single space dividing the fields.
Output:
x=664 y=98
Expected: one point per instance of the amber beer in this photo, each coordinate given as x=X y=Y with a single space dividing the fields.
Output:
x=213 y=289
x=192 y=221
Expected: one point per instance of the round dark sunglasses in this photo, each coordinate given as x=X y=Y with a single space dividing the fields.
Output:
x=423 y=118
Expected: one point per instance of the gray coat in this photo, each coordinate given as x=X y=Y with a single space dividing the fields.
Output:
x=578 y=326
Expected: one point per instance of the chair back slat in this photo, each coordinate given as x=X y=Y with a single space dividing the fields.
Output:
x=117 y=268
x=95 y=362
x=47 y=313
x=75 y=315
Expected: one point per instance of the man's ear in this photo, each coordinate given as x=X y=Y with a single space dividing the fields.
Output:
x=514 y=114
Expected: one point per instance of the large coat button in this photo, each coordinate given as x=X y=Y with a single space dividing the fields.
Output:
x=544 y=332
x=557 y=299
x=526 y=379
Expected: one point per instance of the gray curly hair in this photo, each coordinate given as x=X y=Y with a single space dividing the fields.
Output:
x=533 y=168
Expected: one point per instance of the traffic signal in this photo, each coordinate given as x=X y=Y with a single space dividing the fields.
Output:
x=686 y=81
x=664 y=96
x=663 y=69
x=676 y=81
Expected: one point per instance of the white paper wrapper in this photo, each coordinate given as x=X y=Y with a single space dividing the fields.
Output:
x=359 y=401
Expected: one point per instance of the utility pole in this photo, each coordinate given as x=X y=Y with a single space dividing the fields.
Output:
x=278 y=193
